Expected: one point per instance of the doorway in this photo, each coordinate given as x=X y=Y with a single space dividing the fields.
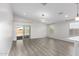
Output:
x=23 y=32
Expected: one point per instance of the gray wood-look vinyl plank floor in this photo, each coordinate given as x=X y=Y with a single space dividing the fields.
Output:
x=41 y=47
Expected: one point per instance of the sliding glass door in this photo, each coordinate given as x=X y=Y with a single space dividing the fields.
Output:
x=27 y=29
x=23 y=31
x=19 y=32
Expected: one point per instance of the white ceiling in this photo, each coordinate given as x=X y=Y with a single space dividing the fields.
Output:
x=52 y=11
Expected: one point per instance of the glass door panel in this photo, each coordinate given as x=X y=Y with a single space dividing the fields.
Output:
x=19 y=32
x=22 y=31
x=27 y=31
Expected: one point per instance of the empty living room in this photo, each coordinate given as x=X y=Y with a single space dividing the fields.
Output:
x=39 y=29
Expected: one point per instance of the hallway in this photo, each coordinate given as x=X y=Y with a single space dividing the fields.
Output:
x=41 y=47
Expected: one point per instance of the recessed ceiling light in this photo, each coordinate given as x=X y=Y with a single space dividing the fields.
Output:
x=24 y=13
x=43 y=15
x=66 y=16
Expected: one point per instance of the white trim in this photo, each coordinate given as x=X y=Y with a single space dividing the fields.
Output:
x=64 y=39
x=9 y=48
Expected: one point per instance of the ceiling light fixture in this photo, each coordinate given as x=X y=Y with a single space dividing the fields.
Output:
x=77 y=17
x=24 y=14
x=43 y=15
x=43 y=18
x=66 y=16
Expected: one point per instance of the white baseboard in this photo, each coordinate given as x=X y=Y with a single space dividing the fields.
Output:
x=9 y=48
x=64 y=39
x=38 y=38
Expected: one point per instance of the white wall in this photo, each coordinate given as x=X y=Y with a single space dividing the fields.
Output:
x=60 y=30
x=5 y=29
x=38 y=30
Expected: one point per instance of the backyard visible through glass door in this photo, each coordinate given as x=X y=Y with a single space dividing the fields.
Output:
x=22 y=31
